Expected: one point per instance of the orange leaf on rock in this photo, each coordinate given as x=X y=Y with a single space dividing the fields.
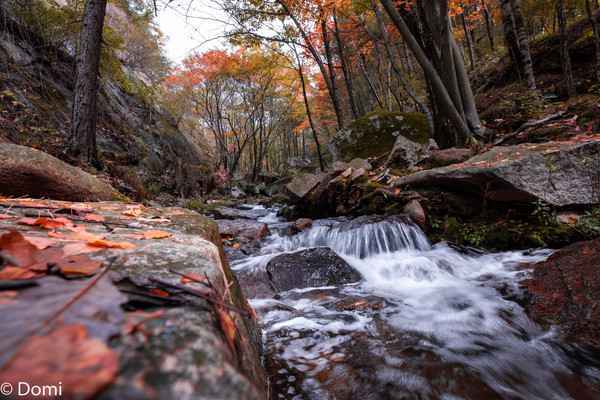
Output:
x=17 y=274
x=93 y=218
x=189 y=278
x=157 y=235
x=15 y=245
x=8 y=296
x=82 y=364
x=227 y=326
x=107 y=244
x=159 y=292
x=78 y=266
x=6 y=216
x=40 y=242
x=46 y=223
x=135 y=211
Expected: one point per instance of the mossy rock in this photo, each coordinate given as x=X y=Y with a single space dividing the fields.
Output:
x=374 y=134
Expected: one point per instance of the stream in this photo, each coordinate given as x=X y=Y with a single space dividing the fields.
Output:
x=425 y=322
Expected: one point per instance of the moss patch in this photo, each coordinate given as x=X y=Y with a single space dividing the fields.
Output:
x=375 y=134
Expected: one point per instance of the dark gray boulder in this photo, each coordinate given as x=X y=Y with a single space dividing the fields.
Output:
x=310 y=268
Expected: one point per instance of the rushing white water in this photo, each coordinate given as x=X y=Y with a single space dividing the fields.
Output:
x=449 y=300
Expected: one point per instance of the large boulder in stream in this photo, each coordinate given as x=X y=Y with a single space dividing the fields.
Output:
x=25 y=171
x=166 y=320
x=374 y=135
x=559 y=173
x=565 y=291
x=310 y=268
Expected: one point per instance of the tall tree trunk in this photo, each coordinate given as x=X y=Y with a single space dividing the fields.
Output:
x=363 y=68
x=565 y=57
x=443 y=98
x=82 y=142
x=398 y=70
x=468 y=39
x=308 y=111
x=523 y=41
x=345 y=66
x=510 y=36
x=593 y=17
x=488 y=25
x=332 y=75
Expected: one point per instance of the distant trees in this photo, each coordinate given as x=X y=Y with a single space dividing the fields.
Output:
x=82 y=142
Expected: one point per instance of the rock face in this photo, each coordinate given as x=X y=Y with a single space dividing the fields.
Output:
x=407 y=153
x=165 y=343
x=243 y=229
x=374 y=135
x=559 y=173
x=442 y=158
x=144 y=151
x=310 y=268
x=29 y=172
x=565 y=291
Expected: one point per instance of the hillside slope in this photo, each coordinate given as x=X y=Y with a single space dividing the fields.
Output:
x=142 y=150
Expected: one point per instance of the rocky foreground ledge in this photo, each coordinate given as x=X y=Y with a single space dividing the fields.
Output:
x=121 y=301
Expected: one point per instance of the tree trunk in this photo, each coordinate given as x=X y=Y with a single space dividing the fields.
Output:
x=468 y=39
x=308 y=111
x=442 y=96
x=565 y=57
x=593 y=17
x=488 y=25
x=82 y=142
x=523 y=42
x=332 y=76
x=510 y=37
x=345 y=67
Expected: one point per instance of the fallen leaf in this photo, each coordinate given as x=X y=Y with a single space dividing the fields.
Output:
x=189 y=278
x=107 y=244
x=93 y=218
x=15 y=244
x=133 y=211
x=78 y=266
x=82 y=364
x=6 y=216
x=46 y=223
x=227 y=326
x=159 y=292
x=40 y=242
x=17 y=274
x=157 y=235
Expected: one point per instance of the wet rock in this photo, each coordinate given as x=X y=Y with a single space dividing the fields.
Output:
x=357 y=163
x=310 y=268
x=442 y=158
x=29 y=172
x=558 y=173
x=416 y=212
x=565 y=291
x=237 y=193
x=301 y=185
x=374 y=135
x=236 y=213
x=302 y=224
x=242 y=229
x=168 y=346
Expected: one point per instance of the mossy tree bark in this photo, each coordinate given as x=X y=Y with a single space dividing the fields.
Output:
x=82 y=142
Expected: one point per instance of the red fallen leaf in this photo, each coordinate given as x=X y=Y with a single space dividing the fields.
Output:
x=93 y=218
x=46 y=223
x=40 y=242
x=189 y=278
x=157 y=235
x=82 y=364
x=17 y=274
x=227 y=326
x=135 y=211
x=159 y=292
x=107 y=244
x=15 y=244
x=78 y=266
x=6 y=216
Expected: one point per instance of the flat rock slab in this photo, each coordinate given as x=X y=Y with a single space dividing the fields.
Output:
x=565 y=291
x=167 y=343
x=559 y=173
x=25 y=171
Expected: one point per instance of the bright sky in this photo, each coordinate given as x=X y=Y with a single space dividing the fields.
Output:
x=196 y=32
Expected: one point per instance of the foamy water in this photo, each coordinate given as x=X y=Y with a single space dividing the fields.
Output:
x=447 y=299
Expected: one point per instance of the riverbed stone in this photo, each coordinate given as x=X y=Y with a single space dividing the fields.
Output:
x=310 y=268
x=565 y=292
